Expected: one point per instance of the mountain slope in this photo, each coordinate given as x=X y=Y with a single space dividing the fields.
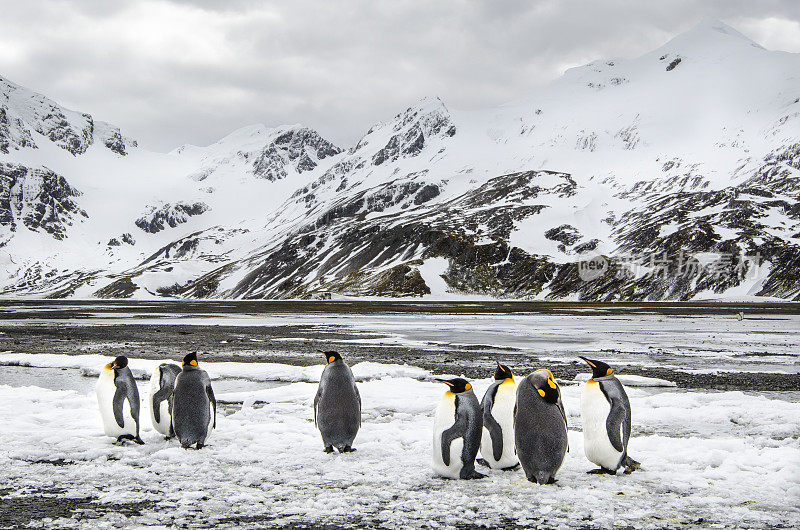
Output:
x=676 y=171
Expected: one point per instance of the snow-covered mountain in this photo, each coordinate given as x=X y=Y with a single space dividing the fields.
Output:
x=672 y=167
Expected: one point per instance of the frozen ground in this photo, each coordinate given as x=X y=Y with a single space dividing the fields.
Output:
x=710 y=457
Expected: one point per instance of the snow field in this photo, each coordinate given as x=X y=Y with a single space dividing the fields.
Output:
x=727 y=458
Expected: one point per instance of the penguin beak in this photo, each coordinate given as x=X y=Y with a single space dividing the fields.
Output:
x=445 y=381
x=590 y=363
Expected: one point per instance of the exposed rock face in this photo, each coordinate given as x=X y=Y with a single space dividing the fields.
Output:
x=301 y=149
x=13 y=132
x=169 y=215
x=38 y=199
x=412 y=129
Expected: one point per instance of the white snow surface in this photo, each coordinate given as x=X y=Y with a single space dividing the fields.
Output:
x=708 y=458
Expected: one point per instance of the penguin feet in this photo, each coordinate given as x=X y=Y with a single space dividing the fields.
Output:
x=346 y=449
x=601 y=471
x=631 y=465
x=483 y=462
x=125 y=437
x=510 y=468
x=471 y=475
x=329 y=449
x=199 y=446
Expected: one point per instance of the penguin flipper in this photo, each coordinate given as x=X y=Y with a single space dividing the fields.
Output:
x=213 y=400
x=495 y=433
x=455 y=431
x=614 y=425
x=358 y=398
x=163 y=393
x=120 y=395
x=316 y=402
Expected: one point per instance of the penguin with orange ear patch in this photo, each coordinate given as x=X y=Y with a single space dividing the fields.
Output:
x=194 y=407
x=540 y=427
x=606 y=415
x=457 y=431
x=337 y=405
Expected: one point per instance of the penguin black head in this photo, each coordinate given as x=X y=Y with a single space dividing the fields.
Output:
x=599 y=368
x=542 y=380
x=190 y=359
x=503 y=372
x=331 y=356
x=456 y=385
x=119 y=362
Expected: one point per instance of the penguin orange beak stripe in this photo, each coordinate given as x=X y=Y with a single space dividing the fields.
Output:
x=448 y=383
x=590 y=363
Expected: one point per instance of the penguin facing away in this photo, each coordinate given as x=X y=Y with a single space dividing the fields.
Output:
x=118 y=398
x=540 y=427
x=497 y=441
x=457 y=431
x=606 y=415
x=337 y=405
x=162 y=383
x=194 y=408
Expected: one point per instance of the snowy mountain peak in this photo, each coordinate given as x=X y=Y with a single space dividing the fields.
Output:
x=711 y=40
x=23 y=113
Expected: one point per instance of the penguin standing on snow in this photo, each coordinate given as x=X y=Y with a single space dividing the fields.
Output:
x=337 y=405
x=606 y=415
x=457 y=431
x=194 y=408
x=497 y=442
x=162 y=383
x=540 y=427
x=118 y=399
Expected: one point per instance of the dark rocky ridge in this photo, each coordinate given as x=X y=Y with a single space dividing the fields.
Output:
x=169 y=215
x=38 y=199
x=301 y=149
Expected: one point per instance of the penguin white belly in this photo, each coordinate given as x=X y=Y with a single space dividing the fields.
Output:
x=106 y=389
x=445 y=417
x=594 y=413
x=503 y=413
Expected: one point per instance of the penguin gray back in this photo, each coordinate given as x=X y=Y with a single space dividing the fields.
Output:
x=162 y=384
x=540 y=427
x=194 y=408
x=167 y=372
x=337 y=405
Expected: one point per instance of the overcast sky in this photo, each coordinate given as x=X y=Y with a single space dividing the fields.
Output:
x=174 y=72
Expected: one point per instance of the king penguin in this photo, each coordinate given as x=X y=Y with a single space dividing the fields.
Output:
x=337 y=405
x=162 y=383
x=457 y=431
x=194 y=408
x=606 y=416
x=497 y=441
x=540 y=427
x=118 y=399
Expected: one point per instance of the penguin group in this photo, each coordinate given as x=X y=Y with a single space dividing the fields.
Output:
x=513 y=425
x=182 y=402
x=526 y=425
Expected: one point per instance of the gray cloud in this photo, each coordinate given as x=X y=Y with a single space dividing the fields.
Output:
x=192 y=71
